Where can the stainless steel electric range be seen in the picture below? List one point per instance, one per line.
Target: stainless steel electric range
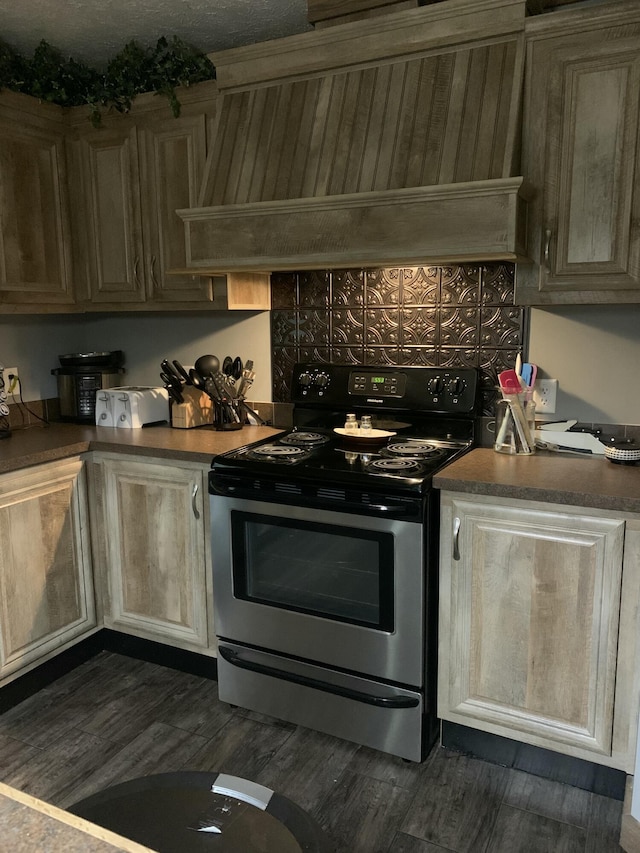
(324, 554)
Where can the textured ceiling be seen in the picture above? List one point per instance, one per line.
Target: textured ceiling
(94, 30)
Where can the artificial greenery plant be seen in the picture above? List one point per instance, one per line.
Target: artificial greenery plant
(135, 69)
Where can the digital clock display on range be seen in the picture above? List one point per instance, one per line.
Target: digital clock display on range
(383, 385)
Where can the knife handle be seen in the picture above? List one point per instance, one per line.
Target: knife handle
(182, 372)
(170, 370)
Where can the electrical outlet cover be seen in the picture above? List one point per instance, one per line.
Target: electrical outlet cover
(7, 371)
(544, 396)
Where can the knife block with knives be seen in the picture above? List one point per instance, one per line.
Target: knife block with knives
(205, 395)
(195, 411)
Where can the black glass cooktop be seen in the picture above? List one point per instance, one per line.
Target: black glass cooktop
(324, 455)
(422, 418)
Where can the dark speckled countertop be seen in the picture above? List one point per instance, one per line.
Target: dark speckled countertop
(40, 444)
(590, 481)
(554, 477)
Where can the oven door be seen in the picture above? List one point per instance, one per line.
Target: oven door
(333, 588)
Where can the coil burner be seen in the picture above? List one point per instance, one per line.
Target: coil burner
(278, 453)
(413, 450)
(304, 439)
(397, 465)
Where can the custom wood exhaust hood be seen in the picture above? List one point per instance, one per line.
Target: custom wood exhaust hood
(389, 140)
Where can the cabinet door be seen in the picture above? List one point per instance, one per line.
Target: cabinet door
(154, 531)
(112, 228)
(173, 156)
(46, 589)
(34, 230)
(581, 152)
(529, 612)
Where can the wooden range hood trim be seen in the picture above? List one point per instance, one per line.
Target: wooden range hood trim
(385, 38)
(474, 221)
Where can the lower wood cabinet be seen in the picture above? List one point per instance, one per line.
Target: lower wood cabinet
(538, 625)
(150, 524)
(46, 583)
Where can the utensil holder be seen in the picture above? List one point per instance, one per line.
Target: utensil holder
(515, 425)
(225, 416)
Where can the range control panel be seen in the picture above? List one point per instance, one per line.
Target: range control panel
(385, 384)
(425, 389)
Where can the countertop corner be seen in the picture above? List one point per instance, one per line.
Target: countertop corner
(590, 481)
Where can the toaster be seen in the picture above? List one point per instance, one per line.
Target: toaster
(131, 406)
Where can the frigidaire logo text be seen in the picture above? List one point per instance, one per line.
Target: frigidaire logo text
(373, 400)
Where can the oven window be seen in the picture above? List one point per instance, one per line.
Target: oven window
(338, 572)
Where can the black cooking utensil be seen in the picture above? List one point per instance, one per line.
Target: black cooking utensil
(207, 365)
(196, 380)
(253, 413)
(227, 365)
(183, 373)
(226, 386)
(236, 370)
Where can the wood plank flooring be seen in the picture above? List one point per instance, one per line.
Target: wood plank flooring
(115, 718)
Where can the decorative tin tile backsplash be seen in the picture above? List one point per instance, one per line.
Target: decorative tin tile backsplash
(435, 316)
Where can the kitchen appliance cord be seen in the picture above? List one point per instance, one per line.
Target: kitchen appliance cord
(21, 402)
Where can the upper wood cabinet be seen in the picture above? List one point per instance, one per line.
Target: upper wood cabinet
(46, 581)
(535, 644)
(107, 215)
(130, 177)
(35, 266)
(174, 154)
(580, 151)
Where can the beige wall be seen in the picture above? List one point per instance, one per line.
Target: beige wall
(594, 352)
(32, 344)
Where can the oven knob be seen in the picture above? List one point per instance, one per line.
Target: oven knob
(436, 385)
(321, 380)
(305, 379)
(456, 386)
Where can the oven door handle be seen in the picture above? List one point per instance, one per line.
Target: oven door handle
(356, 695)
(397, 508)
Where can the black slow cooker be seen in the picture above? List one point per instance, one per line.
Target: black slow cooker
(80, 376)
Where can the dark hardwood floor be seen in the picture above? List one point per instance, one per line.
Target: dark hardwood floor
(115, 718)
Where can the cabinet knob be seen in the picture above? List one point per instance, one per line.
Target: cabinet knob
(456, 536)
(194, 506)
